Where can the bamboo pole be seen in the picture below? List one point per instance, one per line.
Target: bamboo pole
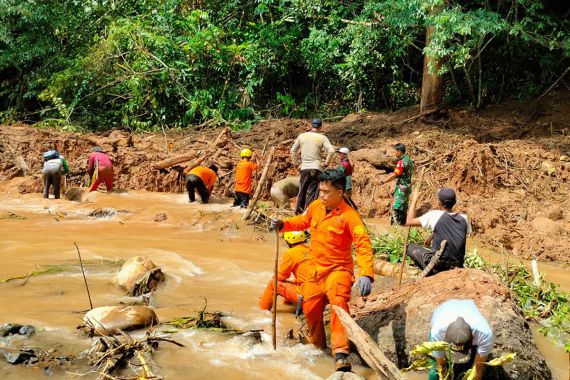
(368, 348)
(416, 194)
(84, 278)
(260, 184)
(274, 307)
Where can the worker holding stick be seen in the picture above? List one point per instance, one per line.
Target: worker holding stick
(334, 228)
(403, 176)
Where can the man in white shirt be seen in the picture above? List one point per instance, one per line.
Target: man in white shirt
(460, 323)
(445, 225)
(311, 144)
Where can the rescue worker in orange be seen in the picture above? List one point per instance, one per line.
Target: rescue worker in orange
(244, 175)
(296, 260)
(334, 228)
(202, 179)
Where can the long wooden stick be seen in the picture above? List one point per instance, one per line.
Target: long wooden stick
(368, 348)
(84, 278)
(370, 201)
(274, 307)
(260, 184)
(415, 194)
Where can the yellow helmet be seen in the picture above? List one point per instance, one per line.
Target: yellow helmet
(294, 237)
(245, 152)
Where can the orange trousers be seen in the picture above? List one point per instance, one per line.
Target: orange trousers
(335, 289)
(286, 290)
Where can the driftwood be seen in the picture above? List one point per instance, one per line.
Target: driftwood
(433, 260)
(260, 184)
(208, 151)
(368, 348)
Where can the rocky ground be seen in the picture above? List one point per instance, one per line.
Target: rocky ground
(399, 320)
(509, 166)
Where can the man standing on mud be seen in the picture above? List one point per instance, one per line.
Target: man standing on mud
(311, 144)
(445, 225)
(100, 169)
(334, 228)
(403, 176)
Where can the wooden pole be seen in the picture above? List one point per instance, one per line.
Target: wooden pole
(274, 307)
(368, 348)
(84, 278)
(260, 184)
(434, 260)
(415, 195)
(370, 201)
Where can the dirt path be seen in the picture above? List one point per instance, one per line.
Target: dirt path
(511, 176)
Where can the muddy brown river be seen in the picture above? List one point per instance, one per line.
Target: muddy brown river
(202, 255)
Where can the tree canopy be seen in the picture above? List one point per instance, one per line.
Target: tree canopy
(145, 64)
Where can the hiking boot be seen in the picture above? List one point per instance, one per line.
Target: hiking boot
(341, 362)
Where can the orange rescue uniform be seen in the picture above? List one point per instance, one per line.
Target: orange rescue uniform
(296, 260)
(244, 174)
(332, 237)
(207, 175)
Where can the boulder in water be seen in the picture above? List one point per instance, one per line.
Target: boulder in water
(398, 320)
(139, 275)
(74, 194)
(16, 329)
(339, 375)
(109, 320)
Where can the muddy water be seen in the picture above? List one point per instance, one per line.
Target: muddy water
(229, 268)
(203, 256)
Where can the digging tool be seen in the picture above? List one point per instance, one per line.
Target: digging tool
(274, 307)
(415, 195)
(84, 278)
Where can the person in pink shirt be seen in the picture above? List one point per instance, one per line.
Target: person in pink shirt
(100, 169)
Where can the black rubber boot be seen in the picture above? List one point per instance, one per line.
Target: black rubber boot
(341, 362)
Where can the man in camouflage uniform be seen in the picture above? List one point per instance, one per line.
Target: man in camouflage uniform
(403, 176)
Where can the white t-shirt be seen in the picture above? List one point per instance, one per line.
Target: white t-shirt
(449, 311)
(430, 219)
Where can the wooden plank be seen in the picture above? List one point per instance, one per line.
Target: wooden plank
(368, 348)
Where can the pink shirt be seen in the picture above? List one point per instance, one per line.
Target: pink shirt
(100, 157)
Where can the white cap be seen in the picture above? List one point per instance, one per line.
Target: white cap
(343, 150)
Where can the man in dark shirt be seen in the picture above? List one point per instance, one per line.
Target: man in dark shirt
(445, 225)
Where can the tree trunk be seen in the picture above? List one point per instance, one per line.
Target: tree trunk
(433, 86)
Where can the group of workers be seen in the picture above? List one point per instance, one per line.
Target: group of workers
(99, 168)
(323, 268)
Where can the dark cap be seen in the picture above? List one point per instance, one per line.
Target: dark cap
(460, 337)
(316, 123)
(97, 149)
(447, 197)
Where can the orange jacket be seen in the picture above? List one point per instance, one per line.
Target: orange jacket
(244, 173)
(298, 260)
(207, 175)
(332, 236)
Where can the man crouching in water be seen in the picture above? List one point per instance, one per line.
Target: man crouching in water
(334, 227)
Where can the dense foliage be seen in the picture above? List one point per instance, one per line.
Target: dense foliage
(143, 64)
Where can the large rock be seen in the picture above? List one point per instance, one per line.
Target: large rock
(109, 320)
(338, 375)
(400, 319)
(139, 275)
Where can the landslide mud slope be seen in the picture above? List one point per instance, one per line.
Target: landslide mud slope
(510, 171)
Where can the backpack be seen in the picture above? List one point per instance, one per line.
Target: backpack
(50, 155)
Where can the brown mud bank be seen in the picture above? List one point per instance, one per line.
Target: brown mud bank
(510, 172)
(400, 320)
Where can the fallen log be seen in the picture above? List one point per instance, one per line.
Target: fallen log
(368, 348)
(260, 184)
(166, 163)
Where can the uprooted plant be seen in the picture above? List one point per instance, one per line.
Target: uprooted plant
(425, 360)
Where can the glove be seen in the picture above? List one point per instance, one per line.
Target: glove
(275, 224)
(364, 285)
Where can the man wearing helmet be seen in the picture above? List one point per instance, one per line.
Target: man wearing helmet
(244, 174)
(461, 324)
(311, 145)
(335, 228)
(297, 261)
